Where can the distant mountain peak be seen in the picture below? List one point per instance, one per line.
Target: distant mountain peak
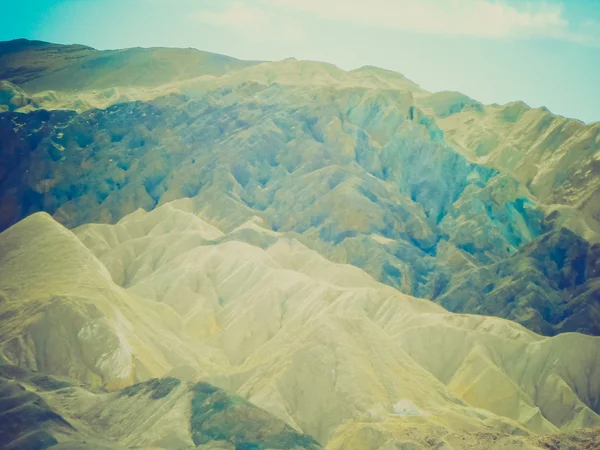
(19, 45)
(369, 67)
(22, 44)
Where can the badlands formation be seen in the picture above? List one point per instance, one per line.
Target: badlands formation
(320, 347)
(203, 252)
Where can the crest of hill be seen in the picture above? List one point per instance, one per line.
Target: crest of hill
(38, 251)
(19, 45)
(39, 66)
(313, 73)
(395, 80)
(292, 71)
(63, 314)
(22, 60)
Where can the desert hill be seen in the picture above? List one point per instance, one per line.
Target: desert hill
(317, 344)
(65, 414)
(296, 143)
(42, 66)
(202, 252)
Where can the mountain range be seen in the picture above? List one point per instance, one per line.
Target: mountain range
(336, 259)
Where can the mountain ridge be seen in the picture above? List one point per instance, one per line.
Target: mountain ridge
(190, 242)
(5, 47)
(264, 139)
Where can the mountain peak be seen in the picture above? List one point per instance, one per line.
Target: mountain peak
(393, 78)
(17, 45)
(25, 262)
(292, 232)
(22, 44)
(369, 67)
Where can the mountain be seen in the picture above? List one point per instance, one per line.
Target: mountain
(364, 167)
(202, 252)
(62, 314)
(41, 66)
(317, 344)
(80, 77)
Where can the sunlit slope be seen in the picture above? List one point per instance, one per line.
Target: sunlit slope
(41, 66)
(312, 73)
(62, 313)
(315, 343)
(292, 323)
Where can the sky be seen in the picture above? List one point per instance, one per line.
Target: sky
(545, 53)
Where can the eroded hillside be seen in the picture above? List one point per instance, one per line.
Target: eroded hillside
(203, 252)
(317, 344)
(356, 165)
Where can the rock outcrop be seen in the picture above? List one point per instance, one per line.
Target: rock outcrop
(41, 411)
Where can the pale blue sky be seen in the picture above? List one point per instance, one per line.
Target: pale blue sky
(542, 52)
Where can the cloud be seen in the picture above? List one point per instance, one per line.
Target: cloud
(475, 18)
(237, 14)
(257, 24)
(470, 18)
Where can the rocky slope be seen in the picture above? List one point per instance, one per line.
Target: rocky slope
(167, 413)
(41, 411)
(322, 346)
(26, 420)
(356, 165)
(558, 159)
(62, 313)
(257, 253)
